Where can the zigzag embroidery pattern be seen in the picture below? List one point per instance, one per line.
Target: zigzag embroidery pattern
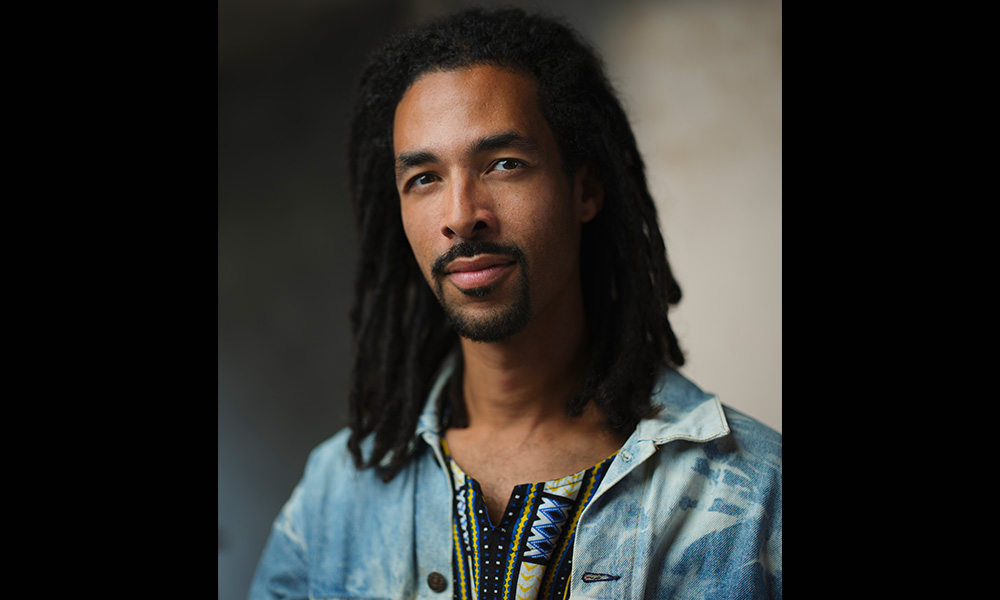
(460, 563)
(545, 530)
(474, 526)
(567, 487)
(529, 580)
(516, 541)
(459, 524)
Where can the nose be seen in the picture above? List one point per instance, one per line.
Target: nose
(468, 213)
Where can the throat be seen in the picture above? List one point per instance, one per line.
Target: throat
(502, 471)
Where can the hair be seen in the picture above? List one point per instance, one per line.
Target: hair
(400, 334)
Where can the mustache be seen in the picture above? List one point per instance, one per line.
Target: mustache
(470, 248)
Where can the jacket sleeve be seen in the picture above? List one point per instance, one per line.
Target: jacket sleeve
(283, 568)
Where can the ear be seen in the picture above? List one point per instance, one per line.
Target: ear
(588, 193)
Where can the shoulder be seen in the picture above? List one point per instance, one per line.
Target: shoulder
(330, 459)
(330, 478)
(747, 462)
(718, 437)
(332, 475)
(752, 438)
(334, 495)
(329, 464)
(331, 467)
(336, 514)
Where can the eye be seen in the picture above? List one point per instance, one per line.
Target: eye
(508, 164)
(422, 180)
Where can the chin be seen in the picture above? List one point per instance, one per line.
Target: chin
(496, 326)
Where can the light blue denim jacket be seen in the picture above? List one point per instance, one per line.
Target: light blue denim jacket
(689, 509)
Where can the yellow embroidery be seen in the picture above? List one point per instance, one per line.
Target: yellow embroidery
(516, 540)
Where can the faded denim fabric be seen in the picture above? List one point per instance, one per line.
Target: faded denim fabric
(689, 509)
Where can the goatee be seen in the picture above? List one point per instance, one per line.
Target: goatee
(504, 321)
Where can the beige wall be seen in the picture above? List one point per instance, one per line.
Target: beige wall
(701, 82)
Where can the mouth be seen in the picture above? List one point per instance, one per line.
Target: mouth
(478, 272)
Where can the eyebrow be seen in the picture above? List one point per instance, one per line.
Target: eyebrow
(407, 160)
(497, 141)
(507, 139)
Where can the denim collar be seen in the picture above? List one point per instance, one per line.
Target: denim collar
(429, 419)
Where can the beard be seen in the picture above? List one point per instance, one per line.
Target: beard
(503, 321)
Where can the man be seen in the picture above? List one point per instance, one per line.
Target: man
(518, 428)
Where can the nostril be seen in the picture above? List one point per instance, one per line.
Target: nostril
(479, 225)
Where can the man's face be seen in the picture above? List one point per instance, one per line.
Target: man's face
(492, 217)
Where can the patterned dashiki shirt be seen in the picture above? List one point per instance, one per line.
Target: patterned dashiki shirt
(528, 555)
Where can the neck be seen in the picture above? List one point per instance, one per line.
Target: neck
(524, 383)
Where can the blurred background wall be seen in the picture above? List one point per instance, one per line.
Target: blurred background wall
(701, 81)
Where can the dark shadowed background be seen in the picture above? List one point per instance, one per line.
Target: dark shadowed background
(702, 84)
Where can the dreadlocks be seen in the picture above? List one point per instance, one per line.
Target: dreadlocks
(399, 329)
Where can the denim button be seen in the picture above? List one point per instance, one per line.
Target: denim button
(437, 582)
(626, 455)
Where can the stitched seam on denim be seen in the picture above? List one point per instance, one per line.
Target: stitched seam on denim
(635, 534)
(722, 415)
(687, 438)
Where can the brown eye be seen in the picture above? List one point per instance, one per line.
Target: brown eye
(508, 164)
(422, 180)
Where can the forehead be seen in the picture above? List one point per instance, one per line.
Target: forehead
(443, 108)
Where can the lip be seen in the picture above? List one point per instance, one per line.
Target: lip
(479, 271)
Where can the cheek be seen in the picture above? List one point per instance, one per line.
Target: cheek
(417, 235)
(408, 231)
(551, 238)
(413, 228)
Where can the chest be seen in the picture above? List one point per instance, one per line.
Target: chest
(526, 544)
(500, 467)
